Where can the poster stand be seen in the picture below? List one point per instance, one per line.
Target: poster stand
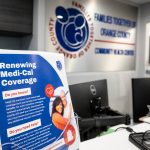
(36, 109)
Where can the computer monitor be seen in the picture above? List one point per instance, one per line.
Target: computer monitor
(141, 97)
(83, 93)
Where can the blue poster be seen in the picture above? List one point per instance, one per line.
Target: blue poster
(36, 110)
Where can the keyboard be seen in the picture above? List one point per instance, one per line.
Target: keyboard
(137, 140)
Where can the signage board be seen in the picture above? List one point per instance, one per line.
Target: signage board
(36, 110)
(94, 35)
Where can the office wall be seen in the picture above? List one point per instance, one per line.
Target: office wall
(107, 34)
(119, 83)
(119, 87)
(143, 41)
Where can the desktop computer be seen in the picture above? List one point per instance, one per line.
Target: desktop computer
(141, 106)
(141, 97)
(90, 103)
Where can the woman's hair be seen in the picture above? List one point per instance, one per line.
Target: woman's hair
(56, 102)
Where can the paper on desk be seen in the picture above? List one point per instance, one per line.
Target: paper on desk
(145, 119)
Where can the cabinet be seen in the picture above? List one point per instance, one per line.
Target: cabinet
(16, 17)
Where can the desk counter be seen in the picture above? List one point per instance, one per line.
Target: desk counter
(118, 140)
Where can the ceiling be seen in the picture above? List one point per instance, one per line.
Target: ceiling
(137, 2)
(140, 1)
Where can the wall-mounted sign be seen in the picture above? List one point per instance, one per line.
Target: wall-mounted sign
(94, 35)
(35, 105)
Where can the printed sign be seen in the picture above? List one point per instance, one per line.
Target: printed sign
(36, 110)
(92, 35)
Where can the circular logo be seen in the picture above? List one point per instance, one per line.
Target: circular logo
(59, 65)
(93, 89)
(49, 90)
(71, 28)
(69, 135)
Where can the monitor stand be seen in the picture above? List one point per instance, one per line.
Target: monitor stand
(94, 125)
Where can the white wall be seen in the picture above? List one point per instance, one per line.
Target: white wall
(119, 87)
(142, 42)
(119, 83)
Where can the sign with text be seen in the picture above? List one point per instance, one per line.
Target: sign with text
(36, 110)
(92, 35)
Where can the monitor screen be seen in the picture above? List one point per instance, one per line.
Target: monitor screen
(83, 93)
(141, 97)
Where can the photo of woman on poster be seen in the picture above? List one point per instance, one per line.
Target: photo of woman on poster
(62, 114)
(57, 114)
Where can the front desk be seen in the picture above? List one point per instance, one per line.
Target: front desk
(118, 140)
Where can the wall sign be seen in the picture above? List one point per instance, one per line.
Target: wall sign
(92, 35)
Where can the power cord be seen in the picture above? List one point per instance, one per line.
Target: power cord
(126, 128)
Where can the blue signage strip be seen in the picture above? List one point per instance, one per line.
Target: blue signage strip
(114, 51)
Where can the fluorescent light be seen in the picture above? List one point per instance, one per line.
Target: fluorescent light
(60, 17)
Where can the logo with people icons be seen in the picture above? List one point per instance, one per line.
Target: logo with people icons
(71, 28)
(71, 32)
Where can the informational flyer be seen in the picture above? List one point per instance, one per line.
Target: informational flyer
(35, 106)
